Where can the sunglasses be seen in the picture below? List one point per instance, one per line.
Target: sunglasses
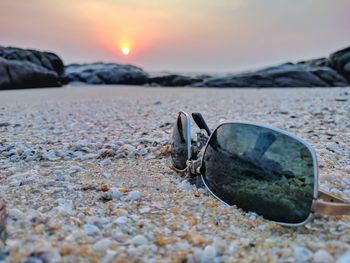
(258, 168)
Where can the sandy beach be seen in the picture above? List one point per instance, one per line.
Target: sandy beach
(84, 171)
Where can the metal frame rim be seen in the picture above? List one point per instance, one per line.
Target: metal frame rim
(189, 135)
(310, 148)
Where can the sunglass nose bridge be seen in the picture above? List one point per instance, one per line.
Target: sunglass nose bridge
(199, 120)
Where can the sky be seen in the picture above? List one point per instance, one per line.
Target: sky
(179, 35)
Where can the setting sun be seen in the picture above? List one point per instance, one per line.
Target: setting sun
(125, 51)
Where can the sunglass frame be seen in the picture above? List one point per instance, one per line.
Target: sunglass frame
(309, 147)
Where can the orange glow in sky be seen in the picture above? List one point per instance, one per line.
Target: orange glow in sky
(181, 35)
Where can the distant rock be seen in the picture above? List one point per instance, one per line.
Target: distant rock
(330, 76)
(340, 61)
(105, 73)
(318, 62)
(321, 72)
(173, 80)
(47, 60)
(285, 75)
(25, 68)
(23, 74)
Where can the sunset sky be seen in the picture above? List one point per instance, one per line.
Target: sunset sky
(178, 35)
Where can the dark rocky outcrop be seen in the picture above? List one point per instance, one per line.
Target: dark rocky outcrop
(285, 75)
(318, 62)
(329, 76)
(23, 74)
(173, 80)
(47, 60)
(105, 73)
(321, 72)
(340, 61)
(22, 68)
(25, 68)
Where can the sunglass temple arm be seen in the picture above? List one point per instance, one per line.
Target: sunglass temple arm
(199, 120)
(330, 205)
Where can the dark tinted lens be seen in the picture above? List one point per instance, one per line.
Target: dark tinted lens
(179, 153)
(260, 170)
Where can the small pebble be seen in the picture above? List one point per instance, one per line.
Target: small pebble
(143, 151)
(15, 214)
(139, 240)
(119, 236)
(56, 173)
(209, 252)
(105, 197)
(109, 257)
(107, 174)
(106, 162)
(185, 186)
(74, 169)
(102, 245)
(322, 256)
(91, 230)
(145, 209)
(116, 194)
(302, 254)
(345, 258)
(134, 195)
(121, 220)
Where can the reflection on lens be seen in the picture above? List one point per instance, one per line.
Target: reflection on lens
(260, 170)
(179, 153)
